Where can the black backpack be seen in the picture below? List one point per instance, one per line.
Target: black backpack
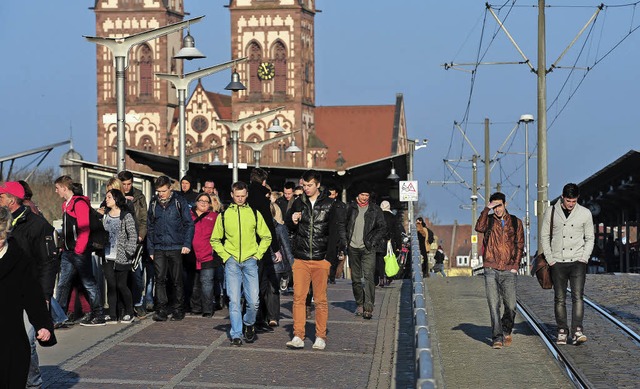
(98, 236)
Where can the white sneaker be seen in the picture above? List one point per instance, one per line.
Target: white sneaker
(126, 319)
(296, 342)
(319, 344)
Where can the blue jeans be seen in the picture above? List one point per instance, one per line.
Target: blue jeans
(58, 314)
(573, 273)
(202, 293)
(72, 263)
(240, 277)
(363, 265)
(500, 286)
(34, 379)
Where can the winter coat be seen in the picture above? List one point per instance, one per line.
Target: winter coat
(258, 200)
(238, 227)
(34, 235)
(500, 252)
(311, 234)
(375, 228)
(140, 209)
(75, 224)
(19, 290)
(203, 228)
(127, 239)
(337, 236)
(573, 236)
(169, 226)
(282, 235)
(394, 230)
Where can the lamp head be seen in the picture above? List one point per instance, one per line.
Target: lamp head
(293, 148)
(235, 84)
(526, 118)
(275, 126)
(188, 50)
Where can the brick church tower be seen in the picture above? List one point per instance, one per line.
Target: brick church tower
(277, 36)
(150, 103)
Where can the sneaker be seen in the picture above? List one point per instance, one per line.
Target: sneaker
(579, 337)
(562, 337)
(249, 334)
(507, 340)
(319, 344)
(367, 315)
(284, 283)
(177, 316)
(273, 323)
(110, 320)
(296, 343)
(149, 307)
(93, 321)
(497, 344)
(160, 316)
(207, 314)
(140, 312)
(236, 342)
(359, 310)
(126, 319)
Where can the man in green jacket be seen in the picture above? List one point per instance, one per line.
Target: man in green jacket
(241, 227)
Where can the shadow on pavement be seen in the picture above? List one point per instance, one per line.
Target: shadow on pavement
(55, 373)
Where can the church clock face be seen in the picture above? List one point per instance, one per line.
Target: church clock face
(266, 71)
(199, 124)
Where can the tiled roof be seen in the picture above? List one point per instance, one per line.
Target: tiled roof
(362, 133)
(221, 103)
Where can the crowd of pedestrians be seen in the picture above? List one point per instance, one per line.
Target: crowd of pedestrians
(183, 252)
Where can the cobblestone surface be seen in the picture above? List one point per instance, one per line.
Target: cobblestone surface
(196, 352)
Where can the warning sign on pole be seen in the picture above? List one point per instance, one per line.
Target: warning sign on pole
(408, 190)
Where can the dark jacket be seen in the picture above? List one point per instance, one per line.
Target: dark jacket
(394, 230)
(337, 236)
(500, 252)
(34, 235)
(139, 210)
(283, 203)
(282, 236)
(258, 200)
(19, 291)
(169, 227)
(311, 234)
(375, 228)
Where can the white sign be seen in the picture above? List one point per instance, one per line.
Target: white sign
(241, 165)
(408, 190)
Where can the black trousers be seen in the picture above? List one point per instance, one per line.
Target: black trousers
(269, 291)
(168, 267)
(117, 289)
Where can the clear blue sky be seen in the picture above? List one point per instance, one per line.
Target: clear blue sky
(366, 52)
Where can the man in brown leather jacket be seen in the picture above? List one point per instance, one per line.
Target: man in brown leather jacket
(503, 248)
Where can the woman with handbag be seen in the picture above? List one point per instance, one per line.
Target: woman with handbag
(118, 255)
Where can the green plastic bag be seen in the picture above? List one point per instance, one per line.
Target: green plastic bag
(391, 266)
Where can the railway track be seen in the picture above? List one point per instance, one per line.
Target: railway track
(608, 359)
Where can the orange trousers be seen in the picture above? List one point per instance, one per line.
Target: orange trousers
(306, 272)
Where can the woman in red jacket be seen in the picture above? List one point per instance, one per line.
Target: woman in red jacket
(204, 218)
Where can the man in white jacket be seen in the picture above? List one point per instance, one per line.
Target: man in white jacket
(567, 249)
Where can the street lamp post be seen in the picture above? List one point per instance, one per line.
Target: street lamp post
(413, 146)
(526, 119)
(181, 83)
(234, 128)
(119, 48)
(257, 146)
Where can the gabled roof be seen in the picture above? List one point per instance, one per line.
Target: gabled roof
(221, 103)
(362, 133)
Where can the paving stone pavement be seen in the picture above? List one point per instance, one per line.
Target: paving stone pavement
(195, 353)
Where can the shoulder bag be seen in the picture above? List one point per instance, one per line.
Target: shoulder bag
(541, 268)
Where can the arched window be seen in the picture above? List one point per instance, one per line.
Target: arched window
(280, 63)
(254, 53)
(145, 65)
(146, 143)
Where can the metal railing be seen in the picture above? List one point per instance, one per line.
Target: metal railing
(424, 358)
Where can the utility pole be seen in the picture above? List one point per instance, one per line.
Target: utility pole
(474, 210)
(543, 183)
(487, 161)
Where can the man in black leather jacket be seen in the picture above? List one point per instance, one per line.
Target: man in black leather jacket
(366, 230)
(309, 218)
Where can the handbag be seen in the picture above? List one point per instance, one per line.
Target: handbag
(391, 266)
(541, 268)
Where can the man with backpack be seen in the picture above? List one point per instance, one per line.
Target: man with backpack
(169, 234)
(76, 254)
(503, 248)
